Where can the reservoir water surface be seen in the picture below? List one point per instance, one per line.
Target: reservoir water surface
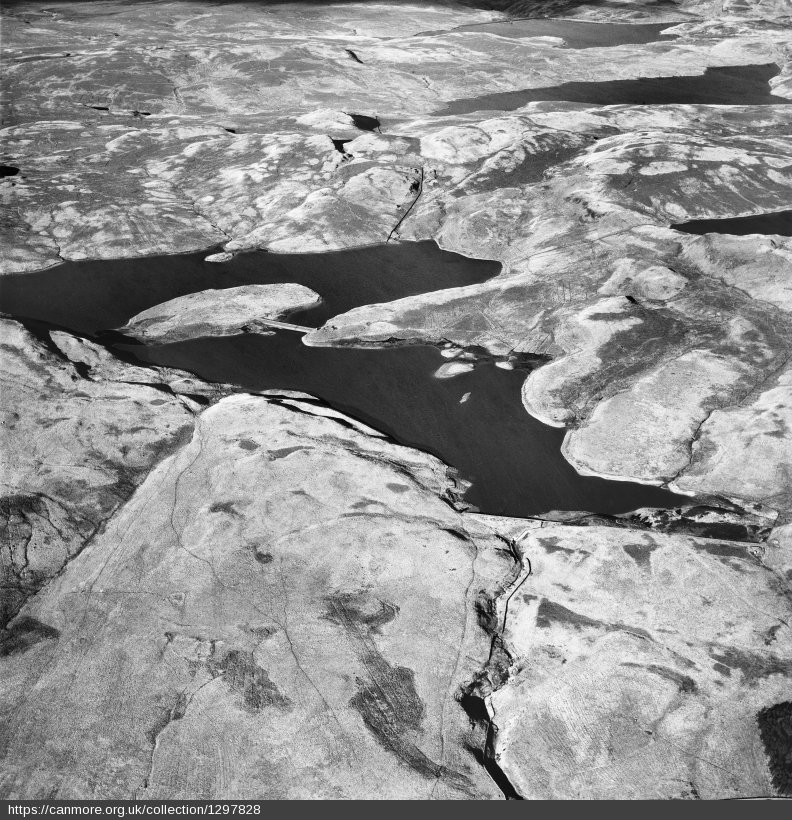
(727, 85)
(475, 422)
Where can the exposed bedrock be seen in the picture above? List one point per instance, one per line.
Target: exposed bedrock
(286, 604)
(660, 341)
(81, 430)
(643, 666)
(213, 594)
(219, 312)
(129, 143)
(576, 204)
(226, 63)
(250, 622)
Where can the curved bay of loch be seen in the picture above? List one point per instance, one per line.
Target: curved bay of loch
(290, 582)
(513, 461)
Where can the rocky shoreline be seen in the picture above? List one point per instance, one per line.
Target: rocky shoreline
(211, 592)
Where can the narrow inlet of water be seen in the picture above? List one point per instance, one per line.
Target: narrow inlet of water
(778, 223)
(475, 422)
(577, 34)
(728, 85)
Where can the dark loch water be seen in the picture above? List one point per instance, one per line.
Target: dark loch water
(513, 460)
(778, 223)
(91, 296)
(576, 34)
(730, 85)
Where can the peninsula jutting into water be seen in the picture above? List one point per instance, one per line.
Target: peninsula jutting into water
(396, 401)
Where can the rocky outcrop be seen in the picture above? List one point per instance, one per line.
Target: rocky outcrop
(745, 450)
(284, 607)
(81, 431)
(286, 604)
(219, 312)
(641, 666)
(650, 331)
(234, 130)
(751, 524)
(279, 584)
(215, 594)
